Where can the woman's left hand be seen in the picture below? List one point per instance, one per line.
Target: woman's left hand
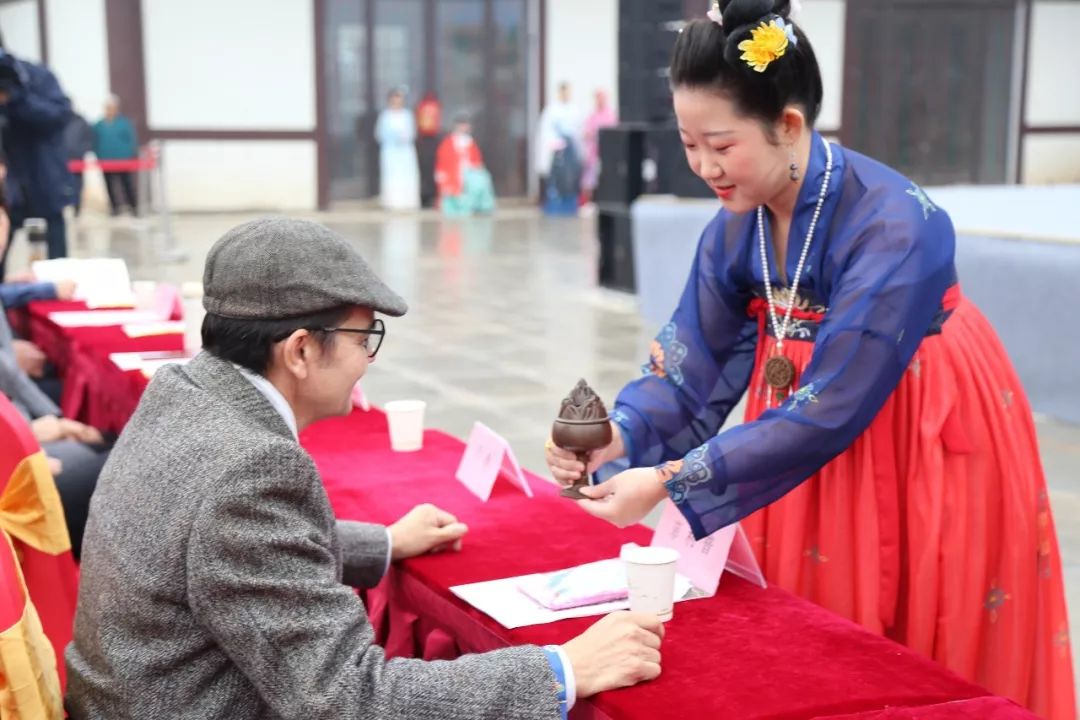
(626, 498)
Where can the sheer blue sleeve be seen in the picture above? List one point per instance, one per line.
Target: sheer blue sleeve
(17, 295)
(889, 290)
(699, 364)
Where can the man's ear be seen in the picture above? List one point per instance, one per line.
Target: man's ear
(294, 353)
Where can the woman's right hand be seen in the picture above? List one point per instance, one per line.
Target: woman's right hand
(566, 468)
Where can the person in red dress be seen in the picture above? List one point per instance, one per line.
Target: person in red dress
(465, 186)
(888, 469)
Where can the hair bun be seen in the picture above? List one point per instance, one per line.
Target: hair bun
(737, 13)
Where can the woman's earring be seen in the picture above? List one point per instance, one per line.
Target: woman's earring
(794, 168)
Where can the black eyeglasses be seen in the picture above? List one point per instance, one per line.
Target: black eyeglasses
(372, 341)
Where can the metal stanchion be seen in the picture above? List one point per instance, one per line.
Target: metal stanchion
(170, 251)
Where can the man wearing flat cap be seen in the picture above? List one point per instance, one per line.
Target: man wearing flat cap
(214, 575)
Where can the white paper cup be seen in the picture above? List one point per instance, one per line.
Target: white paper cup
(406, 418)
(650, 577)
(193, 320)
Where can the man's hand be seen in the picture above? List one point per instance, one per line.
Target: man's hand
(47, 428)
(65, 290)
(29, 358)
(620, 650)
(75, 430)
(423, 529)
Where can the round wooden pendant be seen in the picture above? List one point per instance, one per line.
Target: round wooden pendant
(779, 372)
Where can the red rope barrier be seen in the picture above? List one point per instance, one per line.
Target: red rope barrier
(148, 162)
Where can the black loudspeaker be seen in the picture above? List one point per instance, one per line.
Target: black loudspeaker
(621, 153)
(647, 33)
(616, 267)
(673, 175)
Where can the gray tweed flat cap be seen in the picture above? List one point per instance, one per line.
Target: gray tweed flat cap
(276, 268)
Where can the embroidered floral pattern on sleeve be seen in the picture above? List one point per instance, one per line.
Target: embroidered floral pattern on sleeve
(919, 194)
(666, 355)
(694, 470)
(802, 397)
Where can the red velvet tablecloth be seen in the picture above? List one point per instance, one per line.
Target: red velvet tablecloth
(747, 653)
(96, 391)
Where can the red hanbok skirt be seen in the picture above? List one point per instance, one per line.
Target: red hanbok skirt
(934, 528)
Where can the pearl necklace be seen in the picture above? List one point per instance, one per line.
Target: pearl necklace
(779, 370)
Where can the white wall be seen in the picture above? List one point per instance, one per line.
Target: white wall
(235, 64)
(823, 22)
(1052, 94)
(240, 174)
(78, 52)
(1051, 158)
(19, 26)
(1053, 97)
(582, 48)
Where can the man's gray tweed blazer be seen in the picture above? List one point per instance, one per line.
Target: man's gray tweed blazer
(212, 582)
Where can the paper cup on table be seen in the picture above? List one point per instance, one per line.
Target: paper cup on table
(406, 419)
(650, 578)
(191, 294)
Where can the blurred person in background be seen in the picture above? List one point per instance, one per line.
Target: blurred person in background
(33, 114)
(114, 139)
(465, 185)
(78, 142)
(603, 115)
(399, 170)
(428, 130)
(559, 154)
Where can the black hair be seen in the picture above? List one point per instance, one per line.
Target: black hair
(707, 56)
(247, 343)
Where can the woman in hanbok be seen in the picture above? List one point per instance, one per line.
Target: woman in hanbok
(603, 116)
(559, 154)
(888, 467)
(399, 170)
(465, 186)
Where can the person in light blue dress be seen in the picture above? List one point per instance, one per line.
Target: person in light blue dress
(399, 169)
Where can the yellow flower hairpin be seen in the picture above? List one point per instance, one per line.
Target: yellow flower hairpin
(768, 42)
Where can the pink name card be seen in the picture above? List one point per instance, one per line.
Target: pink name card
(704, 561)
(486, 454)
(167, 304)
(359, 398)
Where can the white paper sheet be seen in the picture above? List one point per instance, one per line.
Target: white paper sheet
(147, 361)
(101, 318)
(99, 282)
(511, 608)
(158, 327)
(127, 361)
